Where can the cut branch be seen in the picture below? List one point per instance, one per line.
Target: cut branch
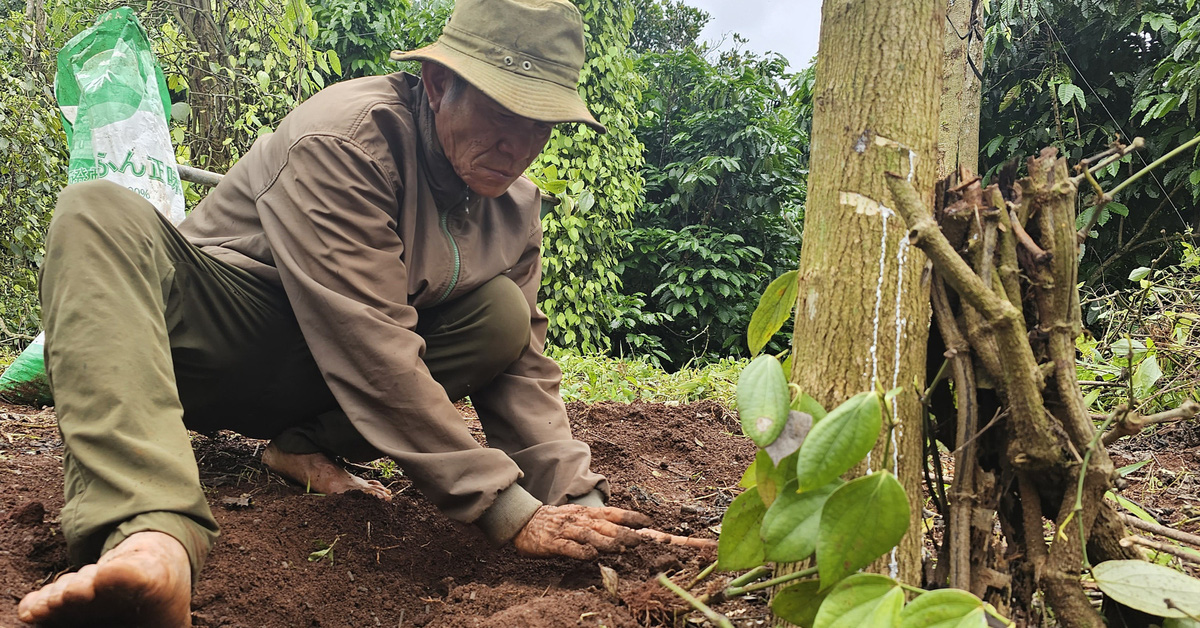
(1161, 530)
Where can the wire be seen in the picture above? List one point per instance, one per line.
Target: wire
(1083, 78)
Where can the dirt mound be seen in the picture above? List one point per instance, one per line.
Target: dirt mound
(403, 563)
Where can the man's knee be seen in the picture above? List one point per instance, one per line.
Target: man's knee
(504, 324)
(92, 207)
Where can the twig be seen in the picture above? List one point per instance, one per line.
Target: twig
(709, 613)
(1161, 530)
(1165, 548)
(1026, 241)
(1154, 164)
(1131, 423)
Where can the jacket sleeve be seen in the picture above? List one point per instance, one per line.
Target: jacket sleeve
(522, 409)
(329, 217)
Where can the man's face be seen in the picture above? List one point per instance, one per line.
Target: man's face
(488, 145)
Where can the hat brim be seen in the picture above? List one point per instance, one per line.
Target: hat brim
(526, 96)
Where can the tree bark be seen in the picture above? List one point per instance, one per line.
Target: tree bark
(958, 130)
(863, 310)
(35, 12)
(205, 88)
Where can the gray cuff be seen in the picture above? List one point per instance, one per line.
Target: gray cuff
(513, 508)
(593, 499)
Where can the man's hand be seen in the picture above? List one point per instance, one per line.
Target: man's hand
(579, 532)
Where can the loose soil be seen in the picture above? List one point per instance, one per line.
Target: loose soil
(404, 563)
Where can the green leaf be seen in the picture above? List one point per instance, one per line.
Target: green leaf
(1148, 587)
(766, 477)
(1131, 507)
(334, 60)
(944, 608)
(1013, 94)
(799, 603)
(862, 601)
(1139, 273)
(791, 525)
(762, 400)
(808, 405)
(750, 477)
(181, 112)
(1180, 622)
(1130, 468)
(1146, 376)
(844, 543)
(774, 309)
(739, 545)
(839, 441)
(1067, 91)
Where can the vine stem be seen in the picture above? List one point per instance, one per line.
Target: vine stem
(709, 613)
(704, 574)
(766, 584)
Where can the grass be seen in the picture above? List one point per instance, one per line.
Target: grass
(594, 378)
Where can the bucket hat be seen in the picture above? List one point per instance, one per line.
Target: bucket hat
(524, 54)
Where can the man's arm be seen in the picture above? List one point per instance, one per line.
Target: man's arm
(522, 409)
(338, 255)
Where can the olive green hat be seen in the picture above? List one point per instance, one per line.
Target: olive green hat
(524, 54)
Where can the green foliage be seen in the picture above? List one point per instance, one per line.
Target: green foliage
(866, 600)
(1149, 331)
(739, 546)
(773, 311)
(666, 25)
(33, 167)
(1078, 74)
(781, 517)
(1149, 588)
(844, 545)
(594, 378)
(839, 441)
(582, 243)
(763, 399)
(944, 608)
(725, 149)
(363, 32)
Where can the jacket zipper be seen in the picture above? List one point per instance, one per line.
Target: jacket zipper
(457, 260)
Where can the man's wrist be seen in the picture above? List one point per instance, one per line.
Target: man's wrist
(505, 518)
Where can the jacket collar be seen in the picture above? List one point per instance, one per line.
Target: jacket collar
(449, 191)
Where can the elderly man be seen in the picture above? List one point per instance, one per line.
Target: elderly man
(375, 258)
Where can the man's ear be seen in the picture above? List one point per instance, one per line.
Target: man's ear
(437, 81)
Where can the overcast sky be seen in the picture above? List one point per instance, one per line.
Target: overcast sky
(789, 27)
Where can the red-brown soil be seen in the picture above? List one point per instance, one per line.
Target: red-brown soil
(403, 563)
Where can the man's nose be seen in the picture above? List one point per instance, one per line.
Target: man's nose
(516, 142)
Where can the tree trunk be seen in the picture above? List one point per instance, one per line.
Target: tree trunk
(966, 548)
(207, 90)
(863, 310)
(35, 12)
(962, 63)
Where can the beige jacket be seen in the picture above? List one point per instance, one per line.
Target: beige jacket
(352, 208)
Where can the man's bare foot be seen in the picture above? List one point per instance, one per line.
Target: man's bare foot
(144, 581)
(319, 474)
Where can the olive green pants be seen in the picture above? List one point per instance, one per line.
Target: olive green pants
(147, 336)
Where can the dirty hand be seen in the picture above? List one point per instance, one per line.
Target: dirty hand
(578, 531)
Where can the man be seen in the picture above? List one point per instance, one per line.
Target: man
(375, 258)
